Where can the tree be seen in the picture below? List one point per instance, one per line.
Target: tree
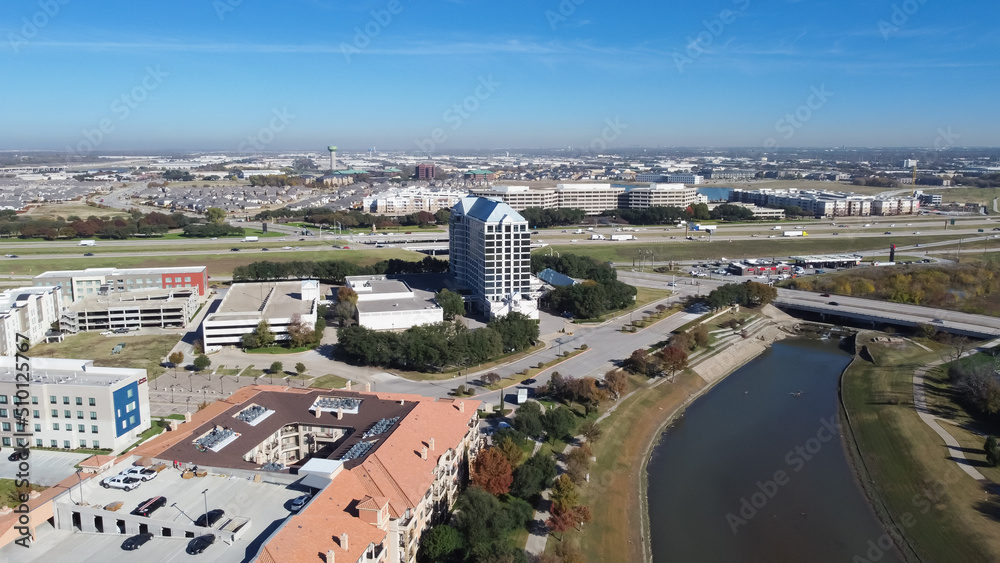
(492, 472)
(992, 447)
(484, 522)
(560, 520)
(637, 362)
(528, 419)
(511, 451)
(276, 367)
(582, 515)
(558, 423)
(591, 431)
(299, 332)
(175, 359)
(300, 368)
(490, 378)
(517, 331)
(578, 462)
(564, 495)
(674, 359)
(451, 303)
(533, 476)
(265, 336)
(700, 335)
(215, 215)
(616, 383)
(201, 362)
(439, 543)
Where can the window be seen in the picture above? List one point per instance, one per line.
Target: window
(38, 428)
(52, 400)
(6, 441)
(3, 413)
(65, 400)
(79, 415)
(93, 429)
(5, 426)
(38, 442)
(55, 413)
(97, 445)
(67, 414)
(54, 443)
(81, 428)
(93, 402)
(187, 279)
(34, 400)
(3, 399)
(19, 427)
(79, 400)
(55, 426)
(83, 443)
(129, 393)
(35, 414)
(93, 415)
(66, 444)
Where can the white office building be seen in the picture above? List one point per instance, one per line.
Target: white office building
(246, 304)
(72, 404)
(387, 304)
(29, 311)
(490, 248)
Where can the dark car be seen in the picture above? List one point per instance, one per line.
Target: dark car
(136, 541)
(213, 516)
(264, 249)
(149, 506)
(13, 256)
(18, 455)
(834, 303)
(200, 544)
(824, 294)
(234, 249)
(89, 254)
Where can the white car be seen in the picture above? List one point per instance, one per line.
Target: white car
(144, 473)
(121, 482)
(286, 248)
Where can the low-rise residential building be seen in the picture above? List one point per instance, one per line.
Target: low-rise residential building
(390, 304)
(245, 305)
(827, 203)
(29, 311)
(79, 284)
(403, 201)
(72, 404)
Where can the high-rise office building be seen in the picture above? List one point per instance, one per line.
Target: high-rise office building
(490, 255)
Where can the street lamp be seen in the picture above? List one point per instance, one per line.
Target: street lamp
(191, 382)
(80, 479)
(205, 494)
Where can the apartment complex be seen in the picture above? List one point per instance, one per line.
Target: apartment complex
(593, 198)
(73, 404)
(386, 467)
(389, 304)
(828, 204)
(403, 201)
(79, 284)
(246, 304)
(669, 178)
(163, 308)
(490, 246)
(29, 311)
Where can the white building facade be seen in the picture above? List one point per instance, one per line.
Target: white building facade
(29, 311)
(246, 304)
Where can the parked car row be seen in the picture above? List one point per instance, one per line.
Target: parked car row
(129, 479)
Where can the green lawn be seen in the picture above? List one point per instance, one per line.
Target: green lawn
(904, 465)
(8, 492)
(278, 350)
(146, 352)
(329, 381)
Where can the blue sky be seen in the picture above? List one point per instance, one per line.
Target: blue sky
(301, 74)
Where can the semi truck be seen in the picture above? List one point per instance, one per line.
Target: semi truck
(89, 242)
(623, 237)
(597, 237)
(794, 234)
(249, 239)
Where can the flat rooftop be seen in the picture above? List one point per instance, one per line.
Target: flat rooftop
(68, 372)
(289, 408)
(120, 272)
(141, 299)
(827, 258)
(283, 299)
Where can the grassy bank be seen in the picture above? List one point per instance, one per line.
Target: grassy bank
(615, 489)
(145, 352)
(904, 465)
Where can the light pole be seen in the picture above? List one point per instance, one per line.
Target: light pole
(191, 382)
(205, 494)
(80, 479)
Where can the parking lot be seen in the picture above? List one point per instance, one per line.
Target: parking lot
(265, 504)
(47, 468)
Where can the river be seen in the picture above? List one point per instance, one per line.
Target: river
(753, 473)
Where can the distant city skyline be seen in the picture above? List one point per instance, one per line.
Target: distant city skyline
(242, 78)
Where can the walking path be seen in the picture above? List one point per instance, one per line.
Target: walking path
(920, 403)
